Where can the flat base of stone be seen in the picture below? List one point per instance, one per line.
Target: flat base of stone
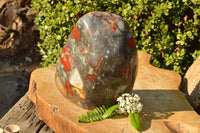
(165, 107)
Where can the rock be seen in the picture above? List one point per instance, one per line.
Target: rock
(191, 84)
(19, 38)
(28, 59)
(22, 12)
(35, 27)
(30, 15)
(98, 62)
(2, 3)
(22, 3)
(8, 16)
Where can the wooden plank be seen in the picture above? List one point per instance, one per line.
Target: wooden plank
(23, 114)
(165, 107)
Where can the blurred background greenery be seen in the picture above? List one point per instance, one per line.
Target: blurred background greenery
(169, 30)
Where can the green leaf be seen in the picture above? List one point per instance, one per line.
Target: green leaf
(109, 111)
(92, 115)
(134, 121)
(76, 1)
(138, 121)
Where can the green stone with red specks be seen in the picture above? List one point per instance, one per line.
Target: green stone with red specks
(98, 62)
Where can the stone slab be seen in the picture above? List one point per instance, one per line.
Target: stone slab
(165, 107)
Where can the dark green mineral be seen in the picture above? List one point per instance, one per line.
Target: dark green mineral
(98, 62)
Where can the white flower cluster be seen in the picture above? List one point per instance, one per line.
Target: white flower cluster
(129, 103)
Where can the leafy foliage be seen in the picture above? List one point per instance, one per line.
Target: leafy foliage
(95, 115)
(168, 30)
(110, 111)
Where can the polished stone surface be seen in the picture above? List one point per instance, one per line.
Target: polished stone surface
(98, 62)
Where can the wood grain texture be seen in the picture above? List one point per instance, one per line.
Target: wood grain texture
(165, 107)
(23, 114)
(191, 84)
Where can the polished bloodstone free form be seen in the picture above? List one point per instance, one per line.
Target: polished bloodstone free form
(98, 62)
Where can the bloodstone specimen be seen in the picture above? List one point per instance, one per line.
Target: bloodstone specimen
(98, 62)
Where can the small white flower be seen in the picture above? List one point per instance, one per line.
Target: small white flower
(45, 56)
(129, 103)
(125, 94)
(137, 98)
(122, 104)
(119, 99)
(121, 111)
(45, 27)
(139, 107)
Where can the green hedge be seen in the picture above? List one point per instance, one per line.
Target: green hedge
(168, 30)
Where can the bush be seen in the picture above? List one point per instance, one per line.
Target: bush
(168, 30)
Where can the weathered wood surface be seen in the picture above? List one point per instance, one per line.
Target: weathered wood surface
(165, 107)
(23, 114)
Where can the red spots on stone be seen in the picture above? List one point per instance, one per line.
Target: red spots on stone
(96, 80)
(115, 27)
(100, 62)
(131, 42)
(93, 67)
(69, 88)
(64, 50)
(87, 77)
(89, 32)
(120, 74)
(75, 33)
(104, 45)
(65, 60)
(127, 70)
(89, 63)
(99, 72)
(93, 76)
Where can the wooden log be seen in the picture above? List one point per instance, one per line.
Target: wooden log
(165, 107)
(191, 84)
